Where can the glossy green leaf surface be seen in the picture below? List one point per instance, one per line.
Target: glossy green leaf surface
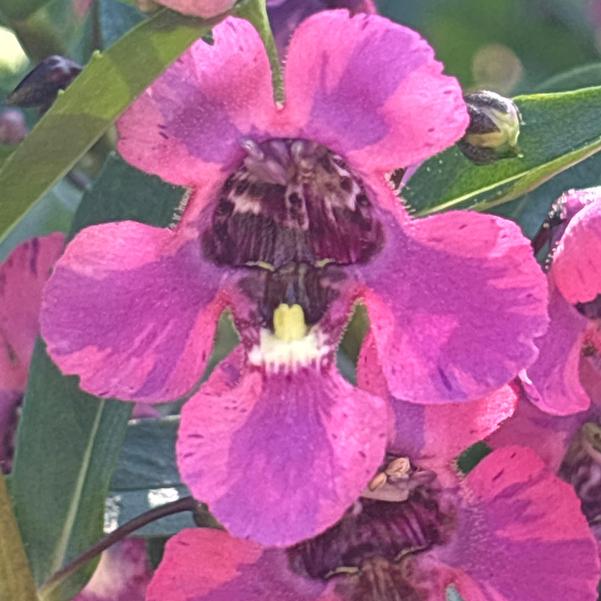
(86, 109)
(560, 130)
(16, 582)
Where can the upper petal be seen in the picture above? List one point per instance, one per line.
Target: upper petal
(371, 90)
(521, 535)
(455, 301)
(279, 457)
(132, 310)
(22, 278)
(554, 379)
(210, 565)
(199, 8)
(188, 125)
(433, 435)
(577, 259)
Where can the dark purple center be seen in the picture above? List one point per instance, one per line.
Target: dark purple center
(369, 551)
(294, 212)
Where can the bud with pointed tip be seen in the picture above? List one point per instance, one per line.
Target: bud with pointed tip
(41, 85)
(493, 130)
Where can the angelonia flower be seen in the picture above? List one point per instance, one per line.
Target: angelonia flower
(123, 574)
(22, 278)
(509, 531)
(286, 15)
(573, 232)
(494, 128)
(289, 223)
(569, 445)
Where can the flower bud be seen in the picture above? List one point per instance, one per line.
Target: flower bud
(12, 126)
(41, 85)
(493, 130)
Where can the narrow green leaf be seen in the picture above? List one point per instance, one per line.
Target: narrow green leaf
(16, 582)
(20, 9)
(559, 131)
(67, 445)
(68, 441)
(86, 110)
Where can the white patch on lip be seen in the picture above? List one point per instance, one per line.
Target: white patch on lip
(275, 354)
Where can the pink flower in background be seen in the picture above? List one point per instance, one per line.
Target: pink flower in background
(286, 15)
(289, 224)
(22, 278)
(510, 531)
(574, 334)
(199, 8)
(123, 574)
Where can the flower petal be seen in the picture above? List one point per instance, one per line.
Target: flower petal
(549, 435)
(279, 457)
(123, 574)
(22, 278)
(455, 303)
(521, 534)
(188, 125)
(210, 565)
(199, 8)
(433, 435)
(371, 90)
(285, 15)
(577, 259)
(132, 310)
(554, 381)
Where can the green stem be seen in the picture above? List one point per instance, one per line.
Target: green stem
(255, 11)
(16, 581)
(185, 504)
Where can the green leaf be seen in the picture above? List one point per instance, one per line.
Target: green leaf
(472, 456)
(67, 444)
(68, 441)
(52, 213)
(16, 581)
(146, 477)
(115, 19)
(20, 9)
(89, 106)
(559, 131)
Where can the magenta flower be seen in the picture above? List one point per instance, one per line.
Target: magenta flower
(22, 278)
(510, 531)
(286, 15)
(199, 8)
(290, 223)
(574, 334)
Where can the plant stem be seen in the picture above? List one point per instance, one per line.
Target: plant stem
(185, 504)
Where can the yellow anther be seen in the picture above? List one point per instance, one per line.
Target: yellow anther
(289, 323)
